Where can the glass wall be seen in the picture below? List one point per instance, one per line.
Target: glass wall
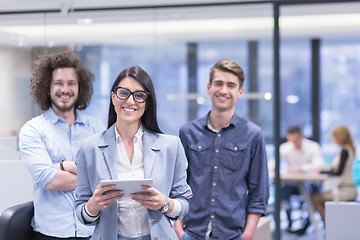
(295, 82)
(336, 26)
(340, 101)
(158, 40)
(340, 74)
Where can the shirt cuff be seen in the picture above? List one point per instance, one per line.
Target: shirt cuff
(87, 216)
(176, 210)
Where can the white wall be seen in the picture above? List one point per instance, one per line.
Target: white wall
(16, 108)
(16, 105)
(15, 183)
(15, 180)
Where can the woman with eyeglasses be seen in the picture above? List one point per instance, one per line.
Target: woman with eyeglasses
(133, 147)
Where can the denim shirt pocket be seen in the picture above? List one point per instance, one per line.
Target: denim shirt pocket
(233, 155)
(200, 152)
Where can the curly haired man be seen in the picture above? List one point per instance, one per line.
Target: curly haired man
(61, 85)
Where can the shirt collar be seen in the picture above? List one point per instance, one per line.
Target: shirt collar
(54, 118)
(233, 122)
(80, 118)
(137, 137)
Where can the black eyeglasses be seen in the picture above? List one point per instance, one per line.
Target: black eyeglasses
(139, 96)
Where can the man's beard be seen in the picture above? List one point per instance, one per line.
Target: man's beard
(62, 108)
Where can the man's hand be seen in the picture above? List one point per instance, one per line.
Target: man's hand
(251, 225)
(178, 227)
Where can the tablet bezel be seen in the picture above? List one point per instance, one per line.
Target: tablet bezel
(128, 185)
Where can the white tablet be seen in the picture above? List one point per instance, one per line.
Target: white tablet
(127, 185)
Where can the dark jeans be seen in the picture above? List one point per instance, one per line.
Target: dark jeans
(39, 236)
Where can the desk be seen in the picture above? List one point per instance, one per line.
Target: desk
(300, 179)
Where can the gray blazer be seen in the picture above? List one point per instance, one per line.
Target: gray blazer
(164, 162)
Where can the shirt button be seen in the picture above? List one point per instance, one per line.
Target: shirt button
(217, 150)
(235, 148)
(153, 222)
(212, 216)
(219, 135)
(214, 184)
(215, 167)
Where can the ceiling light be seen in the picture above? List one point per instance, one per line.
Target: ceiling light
(267, 96)
(200, 100)
(292, 99)
(84, 21)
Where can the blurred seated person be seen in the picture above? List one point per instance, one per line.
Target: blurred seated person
(301, 155)
(340, 186)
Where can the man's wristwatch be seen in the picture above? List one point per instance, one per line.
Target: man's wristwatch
(165, 206)
(62, 165)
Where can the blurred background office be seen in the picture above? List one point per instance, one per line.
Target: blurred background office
(177, 42)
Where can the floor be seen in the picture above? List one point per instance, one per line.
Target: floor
(300, 215)
(309, 235)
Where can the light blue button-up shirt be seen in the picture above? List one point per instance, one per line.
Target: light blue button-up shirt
(45, 140)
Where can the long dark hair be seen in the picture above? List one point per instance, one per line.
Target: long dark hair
(148, 119)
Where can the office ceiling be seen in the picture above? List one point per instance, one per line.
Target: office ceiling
(23, 23)
(36, 5)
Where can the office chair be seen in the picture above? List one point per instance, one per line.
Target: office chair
(297, 212)
(15, 222)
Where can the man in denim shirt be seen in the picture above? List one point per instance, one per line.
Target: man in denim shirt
(227, 165)
(60, 85)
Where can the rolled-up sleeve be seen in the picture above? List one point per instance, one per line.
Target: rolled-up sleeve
(258, 193)
(35, 156)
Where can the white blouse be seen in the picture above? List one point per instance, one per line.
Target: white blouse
(132, 217)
